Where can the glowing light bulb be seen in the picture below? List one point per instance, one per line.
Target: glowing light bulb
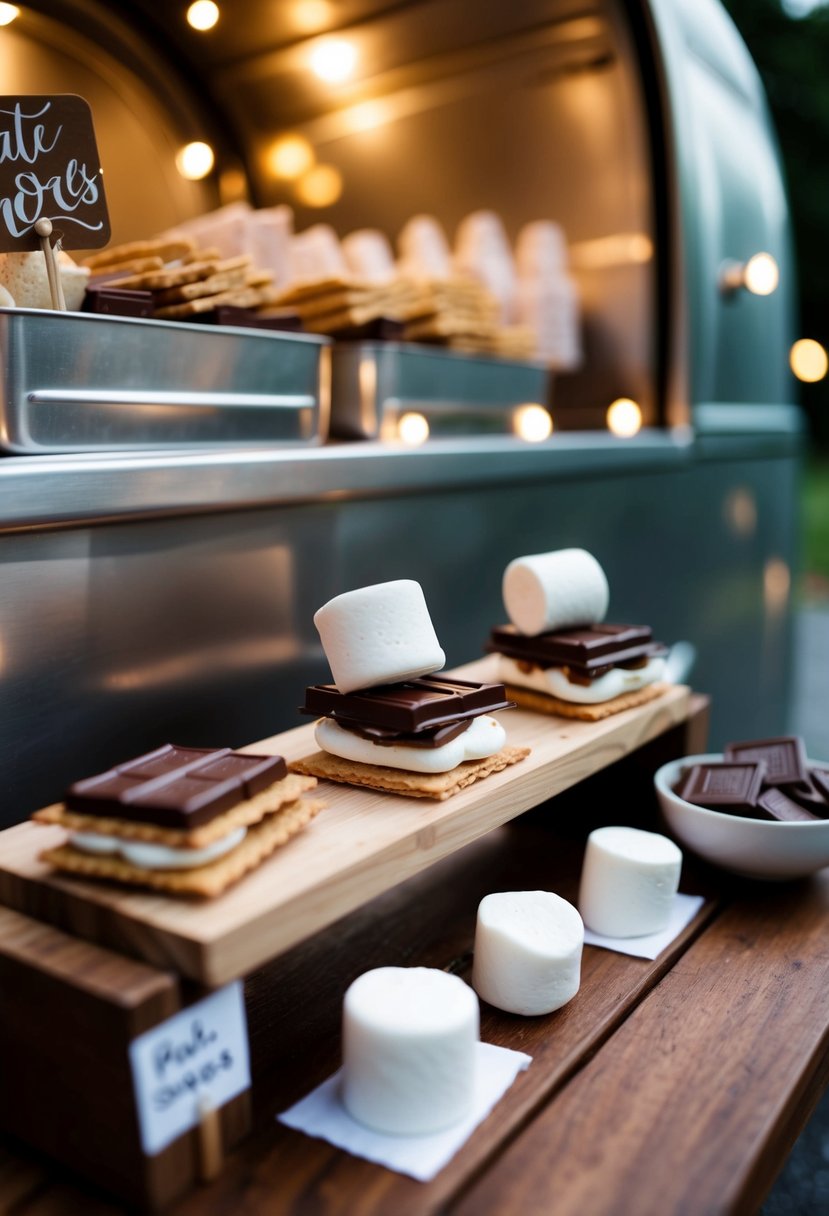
(333, 60)
(202, 15)
(194, 161)
(532, 423)
(761, 275)
(808, 360)
(412, 429)
(289, 157)
(624, 418)
(320, 186)
(8, 12)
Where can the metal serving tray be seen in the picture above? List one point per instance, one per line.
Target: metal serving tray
(375, 383)
(73, 382)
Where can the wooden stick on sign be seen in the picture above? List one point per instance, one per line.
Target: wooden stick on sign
(43, 228)
(209, 1130)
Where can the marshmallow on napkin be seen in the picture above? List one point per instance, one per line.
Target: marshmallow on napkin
(628, 881)
(409, 1049)
(558, 590)
(528, 948)
(381, 634)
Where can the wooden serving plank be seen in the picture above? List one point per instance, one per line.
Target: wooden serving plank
(693, 1104)
(361, 845)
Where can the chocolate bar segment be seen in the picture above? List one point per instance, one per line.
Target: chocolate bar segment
(436, 737)
(411, 706)
(728, 787)
(591, 651)
(176, 787)
(780, 806)
(785, 758)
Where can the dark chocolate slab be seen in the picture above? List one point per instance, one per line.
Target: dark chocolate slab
(728, 786)
(436, 737)
(118, 301)
(780, 806)
(785, 757)
(590, 651)
(175, 787)
(411, 706)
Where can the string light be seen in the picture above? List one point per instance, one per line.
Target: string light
(195, 160)
(761, 275)
(320, 186)
(624, 418)
(532, 423)
(412, 429)
(808, 360)
(333, 60)
(289, 157)
(203, 15)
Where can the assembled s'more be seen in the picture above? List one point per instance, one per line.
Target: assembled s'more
(558, 656)
(389, 721)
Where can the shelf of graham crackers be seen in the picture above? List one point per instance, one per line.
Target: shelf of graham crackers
(362, 844)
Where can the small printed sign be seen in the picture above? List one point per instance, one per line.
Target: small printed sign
(50, 169)
(200, 1053)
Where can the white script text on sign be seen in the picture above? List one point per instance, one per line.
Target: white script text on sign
(199, 1053)
(50, 169)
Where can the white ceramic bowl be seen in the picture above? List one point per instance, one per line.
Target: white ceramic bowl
(754, 848)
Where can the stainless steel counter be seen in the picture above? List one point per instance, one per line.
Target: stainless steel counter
(49, 491)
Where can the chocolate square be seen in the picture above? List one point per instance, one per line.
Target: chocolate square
(785, 757)
(726, 786)
(779, 806)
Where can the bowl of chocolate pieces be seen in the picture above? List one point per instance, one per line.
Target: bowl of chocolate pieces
(759, 809)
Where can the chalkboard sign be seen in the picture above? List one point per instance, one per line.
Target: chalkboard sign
(50, 169)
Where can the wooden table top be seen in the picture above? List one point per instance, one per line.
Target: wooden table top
(669, 1086)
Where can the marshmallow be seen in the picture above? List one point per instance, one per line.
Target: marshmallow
(628, 881)
(369, 256)
(528, 948)
(25, 279)
(483, 737)
(553, 681)
(156, 856)
(409, 1042)
(558, 590)
(424, 249)
(379, 635)
(482, 249)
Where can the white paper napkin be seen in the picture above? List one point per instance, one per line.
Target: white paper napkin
(684, 910)
(321, 1114)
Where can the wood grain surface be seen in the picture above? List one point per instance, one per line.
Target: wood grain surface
(693, 1104)
(363, 844)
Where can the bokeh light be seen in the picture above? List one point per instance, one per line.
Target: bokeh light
(532, 423)
(203, 15)
(808, 360)
(333, 60)
(761, 275)
(320, 186)
(412, 429)
(195, 160)
(289, 157)
(624, 418)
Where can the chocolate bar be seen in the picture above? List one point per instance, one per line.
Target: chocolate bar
(412, 706)
(435, 737)
(118, 301)
(176, 787)
(590, 651)
(779, 806)
(730, 787)
(785, 758)
(249, 318)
